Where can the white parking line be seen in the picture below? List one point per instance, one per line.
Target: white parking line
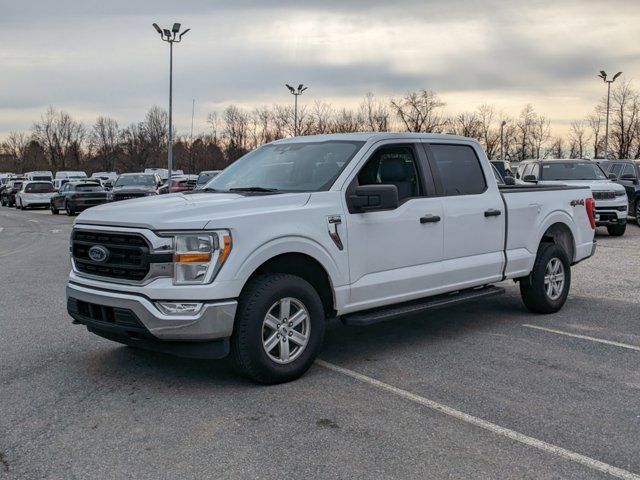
(491, 427)
(585, 337)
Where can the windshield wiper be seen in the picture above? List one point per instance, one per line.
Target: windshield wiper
(253, 189)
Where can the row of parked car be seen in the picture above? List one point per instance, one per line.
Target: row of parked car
(615, 185)
(73, 192)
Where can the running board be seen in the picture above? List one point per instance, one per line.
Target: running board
(376, 315)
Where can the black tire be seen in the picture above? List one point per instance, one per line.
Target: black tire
(637, 211)
(18, 205)
(258, 297)
(70, 211)
(54, 210)
(617, 230)
(532, 288)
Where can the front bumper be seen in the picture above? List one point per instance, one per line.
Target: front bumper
(136, 318)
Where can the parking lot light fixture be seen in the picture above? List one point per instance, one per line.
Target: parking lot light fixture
(603, 76)
(171, 37)
(295, 92)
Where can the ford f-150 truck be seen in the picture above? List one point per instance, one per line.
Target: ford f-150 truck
(364, 227)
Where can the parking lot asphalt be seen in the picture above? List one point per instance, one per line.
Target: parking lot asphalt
(483, 390)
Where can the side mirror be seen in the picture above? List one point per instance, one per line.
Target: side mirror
(613, 176)
(367, 198)
(509, 180)
(529, 178)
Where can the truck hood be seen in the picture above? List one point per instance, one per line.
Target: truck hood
(192, 211)
(594, 185)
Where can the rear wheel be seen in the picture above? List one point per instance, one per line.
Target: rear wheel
(637, 211)
(546, 288)
(617, 230)
(279, 328)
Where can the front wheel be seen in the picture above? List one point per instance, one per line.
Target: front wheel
(279, 328)
(546, 288)
(70, 211)
(617, 230)
(54, 210)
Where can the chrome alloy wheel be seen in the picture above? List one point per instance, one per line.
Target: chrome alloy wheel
(554, 279)
(285, 330)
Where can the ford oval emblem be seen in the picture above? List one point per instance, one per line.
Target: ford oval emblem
(98, 254)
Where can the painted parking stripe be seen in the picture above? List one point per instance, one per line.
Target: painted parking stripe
(491, 427)
(585, 337)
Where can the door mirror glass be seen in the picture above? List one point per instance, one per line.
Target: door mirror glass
(368, 198)
(613, 176)
(508, 180)
(530, 178)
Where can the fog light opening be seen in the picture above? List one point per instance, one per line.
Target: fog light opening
(176, 308)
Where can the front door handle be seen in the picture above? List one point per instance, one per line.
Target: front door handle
(492, 213)
(429, 219)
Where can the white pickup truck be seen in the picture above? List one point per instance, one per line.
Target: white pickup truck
(364, 227)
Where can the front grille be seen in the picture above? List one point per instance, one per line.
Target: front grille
(126, 196)
(604, 195)
(128, 257)
(86, 312)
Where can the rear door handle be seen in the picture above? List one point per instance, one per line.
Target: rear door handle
(429, 219)
(492, 213)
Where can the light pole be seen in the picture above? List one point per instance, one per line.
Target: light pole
(295, 93)
(171, 37)
(502, 124)
(603, 76)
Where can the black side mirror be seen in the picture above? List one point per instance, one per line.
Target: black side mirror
(508, 180)
(613, 176)
(367, 198)
(529, 178)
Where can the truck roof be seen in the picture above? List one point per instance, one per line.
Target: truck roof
(367, 136)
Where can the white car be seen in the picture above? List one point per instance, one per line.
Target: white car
(611, 198)
(35, 195)
(364, 227)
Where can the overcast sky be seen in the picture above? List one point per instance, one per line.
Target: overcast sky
(92, 57)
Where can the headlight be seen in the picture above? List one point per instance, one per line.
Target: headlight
(199, 256)
(621, 193)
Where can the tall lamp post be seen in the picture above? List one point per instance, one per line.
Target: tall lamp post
(171, 37)
(295, 92)
(502, 124)
(603, 76)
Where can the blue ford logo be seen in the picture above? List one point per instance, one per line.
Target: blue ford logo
(98, 253)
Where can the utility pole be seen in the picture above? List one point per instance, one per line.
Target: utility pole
(502, 124)
(171, 37)
(603, 76)
(295, 93)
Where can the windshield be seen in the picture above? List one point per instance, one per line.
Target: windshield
(136, 180)
(294, 167)
(44, 187)
(205, 177)
(572, 171)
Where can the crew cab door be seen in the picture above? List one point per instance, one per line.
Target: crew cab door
(474, 214)
(394, 254)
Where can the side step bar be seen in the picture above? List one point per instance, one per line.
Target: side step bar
(376, 315)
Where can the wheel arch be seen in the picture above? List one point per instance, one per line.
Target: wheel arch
(560, 233)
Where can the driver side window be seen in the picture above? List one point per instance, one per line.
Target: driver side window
(393, 165)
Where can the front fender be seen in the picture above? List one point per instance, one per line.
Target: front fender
(292, 244)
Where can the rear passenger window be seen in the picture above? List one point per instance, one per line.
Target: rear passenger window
(628, 170)
(459, 169)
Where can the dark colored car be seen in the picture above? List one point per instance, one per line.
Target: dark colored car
(179, 184)
(627, 174)
(135, 185)
(204, 177)
(8, 196)
(74, 197)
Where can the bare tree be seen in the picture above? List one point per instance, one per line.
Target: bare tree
(236, 123)
(104, 138)
(420, 111)
(322, 114)
(61, 137)
(578, 139)
(625, 120)
(375, 114)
